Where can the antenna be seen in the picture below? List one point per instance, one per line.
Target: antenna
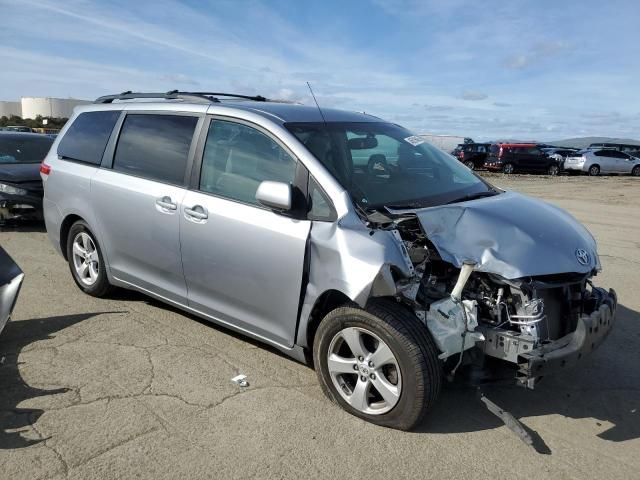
(317, 105)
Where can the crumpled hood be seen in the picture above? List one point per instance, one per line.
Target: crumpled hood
(511, 235)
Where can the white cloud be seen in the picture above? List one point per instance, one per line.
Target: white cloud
(474, 96)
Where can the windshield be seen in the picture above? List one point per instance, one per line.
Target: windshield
(27, 149)
(384, 165)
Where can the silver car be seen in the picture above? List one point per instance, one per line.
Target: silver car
(595, 162)
(339, 238)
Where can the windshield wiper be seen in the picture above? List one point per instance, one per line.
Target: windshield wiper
(473, 196)
(402, 206)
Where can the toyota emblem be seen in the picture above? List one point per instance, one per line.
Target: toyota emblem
(582, 256)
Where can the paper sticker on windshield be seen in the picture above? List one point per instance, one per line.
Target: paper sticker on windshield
(414, 140)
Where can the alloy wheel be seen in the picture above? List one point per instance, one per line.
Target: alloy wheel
(364, 371)
(85, 259)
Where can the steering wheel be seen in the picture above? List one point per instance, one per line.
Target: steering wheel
(378, 166)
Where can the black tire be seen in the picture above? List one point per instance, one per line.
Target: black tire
(636, 171)
(101, 287)
(470, 165)
(553, 170)
(411, 344)
(508, 168)
(594, 170)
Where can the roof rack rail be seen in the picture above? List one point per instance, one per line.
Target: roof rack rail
(175, 94)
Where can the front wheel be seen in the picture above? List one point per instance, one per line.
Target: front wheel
(86, 262)
(380, 364)
(508, 168)
(470, 165)
(636, 171)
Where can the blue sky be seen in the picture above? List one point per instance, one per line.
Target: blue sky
(489, 69)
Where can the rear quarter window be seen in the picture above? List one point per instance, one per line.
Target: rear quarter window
(87, 137)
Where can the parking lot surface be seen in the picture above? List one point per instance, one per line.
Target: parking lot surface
(130, 388)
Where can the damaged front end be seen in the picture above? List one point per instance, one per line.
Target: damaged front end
(477, 287)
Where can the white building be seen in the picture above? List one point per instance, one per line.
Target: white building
(443, 142)
(31, 107)
(10, 108)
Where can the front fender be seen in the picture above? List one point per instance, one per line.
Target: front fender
(348, 257)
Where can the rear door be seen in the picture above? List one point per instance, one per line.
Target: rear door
(622, 162)
(607, 160)
(138, 197)
(243, 262)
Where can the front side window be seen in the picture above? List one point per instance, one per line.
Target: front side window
(237, 158)
(87, 137)
(155, 146)
(382, 164)
(23, 149)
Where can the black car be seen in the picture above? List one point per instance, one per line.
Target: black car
(473, 155)
(20, 182)
(521, 158)
(560, 153)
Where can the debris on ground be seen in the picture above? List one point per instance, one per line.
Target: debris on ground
(509, 420)
(240, 380)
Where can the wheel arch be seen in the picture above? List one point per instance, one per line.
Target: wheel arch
(329, 300)
(65, 226)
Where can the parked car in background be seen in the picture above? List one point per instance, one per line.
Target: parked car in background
(522, 158)
(380, 257)
(595, 162)
(559, 153)
(473, 155)
(18, 128)
(20, 182)
(11, 277)
(631, 149)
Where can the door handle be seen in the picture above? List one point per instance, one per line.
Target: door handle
(166, 202)
(198, 212)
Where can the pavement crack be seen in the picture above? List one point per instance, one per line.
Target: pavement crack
(45, 443)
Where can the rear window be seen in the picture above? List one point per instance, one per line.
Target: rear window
(23, 149)
(87, 137)
(155, 146)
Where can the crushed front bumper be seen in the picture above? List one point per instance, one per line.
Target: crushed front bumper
(566, 351)
(20, 207)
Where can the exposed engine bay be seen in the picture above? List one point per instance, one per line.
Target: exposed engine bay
(508, 319)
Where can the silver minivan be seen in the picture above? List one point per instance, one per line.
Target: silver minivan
(341, 239)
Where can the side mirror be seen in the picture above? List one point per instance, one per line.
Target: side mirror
(276, 195)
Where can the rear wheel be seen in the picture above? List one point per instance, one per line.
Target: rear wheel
(86, 262)
(508, 168)
(380, 364)
(553, 170)
(594, 170)
(636, 171)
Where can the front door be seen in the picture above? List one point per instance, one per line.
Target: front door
(243, 263)
(138, 201)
